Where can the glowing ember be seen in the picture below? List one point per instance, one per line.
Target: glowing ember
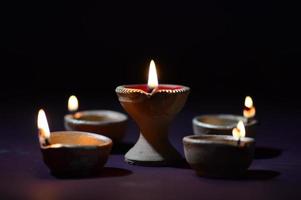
(249, 110)
(72, 104)
(152, 76)
(239, 131)
(44, 132)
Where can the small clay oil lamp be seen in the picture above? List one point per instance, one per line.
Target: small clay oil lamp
(224, 123)
(105, 122)
(220, 155)
(153, 107)
(72, 153)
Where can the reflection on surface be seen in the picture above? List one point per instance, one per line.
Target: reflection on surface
(105, 172)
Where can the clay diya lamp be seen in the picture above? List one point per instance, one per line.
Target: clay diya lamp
(153, 107)
(222, 124)
(105, 122)
(72, 153)
(220, 156)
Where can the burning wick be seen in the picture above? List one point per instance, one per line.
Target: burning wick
(152, 82)
(44, 132)
(249, 109)
(239, 132)
(72, 105)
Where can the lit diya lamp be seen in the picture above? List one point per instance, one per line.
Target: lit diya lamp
(105, 122)
(224, 123)
(152, 106)
(72, 153)
(220, 155)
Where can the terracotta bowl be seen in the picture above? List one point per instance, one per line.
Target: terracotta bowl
(74, 153)
(218, 155)
(221, 124)
(105, 122)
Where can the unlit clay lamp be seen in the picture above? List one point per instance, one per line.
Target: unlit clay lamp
(72, 153)
(220, 156)
(153, 107)
(224, 123)
(105, 122)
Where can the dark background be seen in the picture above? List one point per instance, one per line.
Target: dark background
(223, 50)
(218, 48)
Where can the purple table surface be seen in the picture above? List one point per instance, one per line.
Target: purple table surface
(274, 173)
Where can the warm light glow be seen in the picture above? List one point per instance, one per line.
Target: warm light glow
(72, 104)
(57, 145)
(152, 76)
(248, 102)
(249, 110)
(44, 132)
(239, 131)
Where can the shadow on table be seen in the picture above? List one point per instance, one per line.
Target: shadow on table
(258, 174)
(114, 172)
(121, 148)
(105, 172)
(182, 164)
(250, 175)
(266, 152)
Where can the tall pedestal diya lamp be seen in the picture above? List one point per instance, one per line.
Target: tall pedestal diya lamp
(153, 107)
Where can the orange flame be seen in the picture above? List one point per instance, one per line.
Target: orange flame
(239, 131)
(72, 103)
(44, 132)
(152, 82)
(249, 110)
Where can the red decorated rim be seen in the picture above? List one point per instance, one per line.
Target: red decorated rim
(143, 88)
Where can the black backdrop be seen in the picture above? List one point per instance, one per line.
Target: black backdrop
(215, 47)
(222, 49)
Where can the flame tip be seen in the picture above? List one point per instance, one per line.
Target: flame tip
(152, 76)
(72, 103)
(249, 110)
(239, 131)
(43, 126)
